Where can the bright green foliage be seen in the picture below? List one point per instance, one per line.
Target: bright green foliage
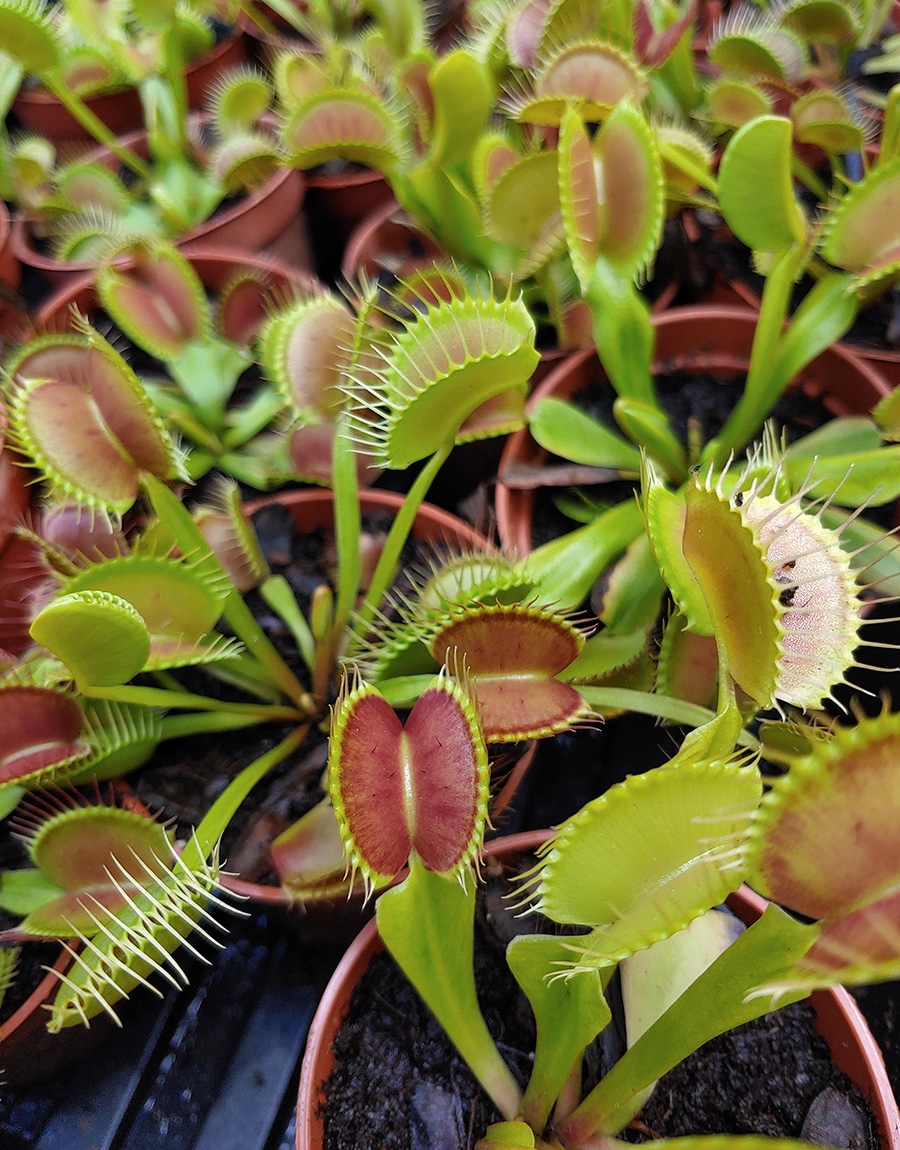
(762, 211)
(599, 870)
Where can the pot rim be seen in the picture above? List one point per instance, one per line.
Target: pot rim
(514, 508)
(66, 295)
(287, 181)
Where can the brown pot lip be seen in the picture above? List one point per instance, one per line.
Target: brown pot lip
(352, 179)
(25, 250)
(317, 1059)
(513, 508)
(836, 1002)
(42, 97)
(66, 295)
(365, 230)
(371, 499)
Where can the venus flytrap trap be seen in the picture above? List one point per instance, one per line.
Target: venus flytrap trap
(794, 576)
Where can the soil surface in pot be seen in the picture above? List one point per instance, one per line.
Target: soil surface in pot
(698, 404)
(399, 1084)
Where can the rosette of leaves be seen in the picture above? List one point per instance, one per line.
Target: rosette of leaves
(182, 182)
(161, 304)
(849, 458)
(75, 710)
(637, 873)
(157, 299)
(638, 869)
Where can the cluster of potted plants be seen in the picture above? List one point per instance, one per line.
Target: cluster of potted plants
(693, 508)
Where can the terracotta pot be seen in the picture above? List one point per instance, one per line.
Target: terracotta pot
(838, 1020)
(121, 111)
(841, 1023)
(266, 219)
(214, 266)
(707, 337)
(318, 1061)
(340, 917)
(885, 361)
(10, 270)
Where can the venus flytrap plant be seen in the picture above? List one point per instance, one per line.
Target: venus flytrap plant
(456, 369)
(848, 459)
(54, 737)
(113, 884)
(637, 869)
(160, 303)
(416, 795)
(455, 364)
